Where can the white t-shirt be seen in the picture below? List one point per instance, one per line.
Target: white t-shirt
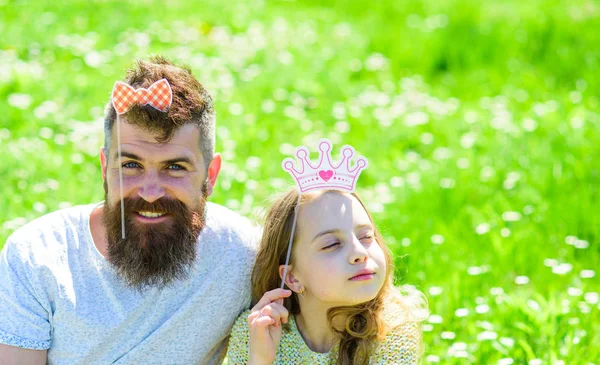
(57, 292)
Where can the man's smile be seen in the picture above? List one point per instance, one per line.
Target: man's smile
(151, 217)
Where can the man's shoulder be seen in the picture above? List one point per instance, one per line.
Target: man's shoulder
(225, 223)
(50, 229)
(221, 214)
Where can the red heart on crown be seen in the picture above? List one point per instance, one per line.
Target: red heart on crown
(326, 175)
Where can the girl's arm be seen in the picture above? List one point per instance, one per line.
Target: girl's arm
(265, 322)
(256, 333)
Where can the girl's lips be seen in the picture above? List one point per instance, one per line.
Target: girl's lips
(365, 274)
(362, 277)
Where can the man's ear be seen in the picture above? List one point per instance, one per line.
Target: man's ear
(103, 162)
(291, 280)
(213, 172)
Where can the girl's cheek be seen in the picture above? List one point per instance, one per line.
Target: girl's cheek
(377, 254)
(326, 293)
(323, 281)
(328, 264)
(328, 272)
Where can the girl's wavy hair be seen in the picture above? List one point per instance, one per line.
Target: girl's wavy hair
(365, 323)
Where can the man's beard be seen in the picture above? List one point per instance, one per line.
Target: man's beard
(153, 254)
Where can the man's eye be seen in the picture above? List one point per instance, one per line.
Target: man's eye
(130, 165)
(176, 167)
(331, 246)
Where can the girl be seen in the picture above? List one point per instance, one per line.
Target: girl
(342, 307)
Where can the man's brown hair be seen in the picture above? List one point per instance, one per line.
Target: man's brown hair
(191, 104)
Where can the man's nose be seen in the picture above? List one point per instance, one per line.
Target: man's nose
(151, 188)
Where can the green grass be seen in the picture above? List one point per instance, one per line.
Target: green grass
(466, 110)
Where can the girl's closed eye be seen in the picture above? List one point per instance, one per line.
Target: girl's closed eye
(367, 237)
(331, 245)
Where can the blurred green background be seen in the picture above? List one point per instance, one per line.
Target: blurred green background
(479, 119)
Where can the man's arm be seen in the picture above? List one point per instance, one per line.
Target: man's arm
(25, 329)
(10, 355)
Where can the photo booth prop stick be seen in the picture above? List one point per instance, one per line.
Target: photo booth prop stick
(158, 95)
(324, 175)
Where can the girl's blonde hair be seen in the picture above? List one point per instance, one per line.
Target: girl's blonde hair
(365, 323)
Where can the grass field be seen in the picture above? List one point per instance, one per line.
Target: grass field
(480, 120)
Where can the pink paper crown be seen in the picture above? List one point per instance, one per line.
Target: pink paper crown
(326, 174)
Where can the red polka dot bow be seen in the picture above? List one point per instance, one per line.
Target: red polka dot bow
(158, 95)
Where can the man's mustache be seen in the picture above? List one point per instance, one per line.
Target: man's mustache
(163, 205)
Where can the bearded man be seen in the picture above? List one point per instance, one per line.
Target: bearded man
(161, 286)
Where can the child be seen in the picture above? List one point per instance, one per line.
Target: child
(342, 307)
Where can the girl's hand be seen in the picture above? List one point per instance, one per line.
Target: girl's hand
(265, 321)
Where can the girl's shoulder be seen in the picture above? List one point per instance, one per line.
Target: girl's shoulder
(239, 340)
(404, 308)
(292, 348)
(407, 334)
(401, 345)
(240, 326)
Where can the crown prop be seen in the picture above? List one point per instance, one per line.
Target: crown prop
(324, 175)
(158, 95)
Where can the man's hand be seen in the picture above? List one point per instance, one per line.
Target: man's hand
(10, 355)
(265, 321)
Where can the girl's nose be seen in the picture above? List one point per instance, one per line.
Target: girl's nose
(359, 252)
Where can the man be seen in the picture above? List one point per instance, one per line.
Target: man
(74, 291)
